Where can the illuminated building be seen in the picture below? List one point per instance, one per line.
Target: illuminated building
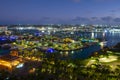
(3, 28)
(9, 62)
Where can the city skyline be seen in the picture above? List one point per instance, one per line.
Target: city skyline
(59, 12)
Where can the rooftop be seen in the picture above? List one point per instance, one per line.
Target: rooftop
(9, 58)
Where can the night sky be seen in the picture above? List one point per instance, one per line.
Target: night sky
(59, 11)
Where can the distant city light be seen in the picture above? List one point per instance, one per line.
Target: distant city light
(105, 31)
(43, 31)
(21, 28)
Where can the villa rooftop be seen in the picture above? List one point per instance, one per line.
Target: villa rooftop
(9, 58)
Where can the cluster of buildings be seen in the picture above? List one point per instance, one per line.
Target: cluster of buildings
(10, 61)
(3, 28)
(55, 28)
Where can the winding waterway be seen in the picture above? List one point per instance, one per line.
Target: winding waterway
(111, 39)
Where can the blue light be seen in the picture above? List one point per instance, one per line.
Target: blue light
(12, 38)
(37, 34)
(3, 39)
(50, 50)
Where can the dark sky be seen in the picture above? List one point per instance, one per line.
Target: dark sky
(59, 11)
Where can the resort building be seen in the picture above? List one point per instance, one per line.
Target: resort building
(3, 28)
(9, 62)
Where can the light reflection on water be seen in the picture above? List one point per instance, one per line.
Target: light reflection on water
(80, 54)
(111, 38)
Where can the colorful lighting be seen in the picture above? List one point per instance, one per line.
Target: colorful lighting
(50, 50)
